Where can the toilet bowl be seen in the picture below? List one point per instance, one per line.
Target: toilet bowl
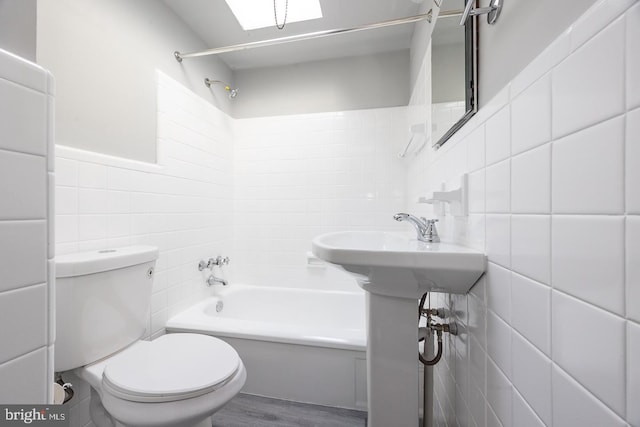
(176, 380)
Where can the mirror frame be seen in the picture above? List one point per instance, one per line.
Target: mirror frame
(471, 80)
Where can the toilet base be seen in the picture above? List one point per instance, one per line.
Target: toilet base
(101, 417)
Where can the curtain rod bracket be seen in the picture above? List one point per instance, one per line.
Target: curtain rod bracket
(177, 55)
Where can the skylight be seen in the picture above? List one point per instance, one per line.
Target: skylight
(252, 14)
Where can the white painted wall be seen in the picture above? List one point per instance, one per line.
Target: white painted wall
(524, 30)
(18, 27)
(551, 158)
(104, 54)
(26, 232)
(354, 83)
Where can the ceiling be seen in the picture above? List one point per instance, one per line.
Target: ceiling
(213, 21)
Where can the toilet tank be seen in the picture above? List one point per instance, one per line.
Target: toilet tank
(102, 302)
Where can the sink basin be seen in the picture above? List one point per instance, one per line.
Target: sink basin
(395, 265)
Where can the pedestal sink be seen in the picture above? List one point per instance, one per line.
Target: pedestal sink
(396, 270)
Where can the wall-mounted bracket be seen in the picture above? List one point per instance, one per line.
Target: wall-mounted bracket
(492, 12)
(456, 199)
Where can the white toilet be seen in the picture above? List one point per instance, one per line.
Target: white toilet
(102, 309)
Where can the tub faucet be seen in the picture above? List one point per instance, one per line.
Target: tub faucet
(426, 228)
(212, 280)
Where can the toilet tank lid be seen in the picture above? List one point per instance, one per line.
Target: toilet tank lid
(90, 262)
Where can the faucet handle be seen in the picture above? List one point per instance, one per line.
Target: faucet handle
(430, 221)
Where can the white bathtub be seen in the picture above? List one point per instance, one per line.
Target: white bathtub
(297, 344)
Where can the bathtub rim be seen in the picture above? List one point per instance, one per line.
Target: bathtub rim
(192, 320)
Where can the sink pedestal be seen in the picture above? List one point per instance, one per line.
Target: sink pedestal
(392, 361)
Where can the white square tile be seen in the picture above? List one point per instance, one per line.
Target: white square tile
(30, 372)
(531, 311)
(594, 273)
(531, 181)
(118, 202)
(118, 226)
(92, 201)
(531, 116)
(575, 324)
(499, 343)
(477, 191)
(499, 239)
(523, 413)
(23, 186)
(476, 149)
(633, 373)
(532, 376)
(476, 322)
(498, 281)
(66, 229)
(477, 363)
(26, 307)
(66, 172)
(498, 136)
(632, 158)
(66, 200)
(580, 182)
(23, 119)
(574, 406)
(633, 57)
(23, 261)
(499, 394)
(498, 187)
(92, 227)
(599, 60)
(531, 246)
(632, 269)
(477, 406)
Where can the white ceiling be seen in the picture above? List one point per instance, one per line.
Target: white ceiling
(213, 21)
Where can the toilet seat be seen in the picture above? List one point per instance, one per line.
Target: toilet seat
(170, 368)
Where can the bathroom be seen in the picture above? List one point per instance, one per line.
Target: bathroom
(147, 154)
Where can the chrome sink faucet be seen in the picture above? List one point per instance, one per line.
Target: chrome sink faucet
(426, 228)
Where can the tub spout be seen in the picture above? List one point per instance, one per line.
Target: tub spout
(212, 280)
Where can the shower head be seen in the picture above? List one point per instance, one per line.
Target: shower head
(232, 92)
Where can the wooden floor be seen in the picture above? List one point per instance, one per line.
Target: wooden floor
(254, 411)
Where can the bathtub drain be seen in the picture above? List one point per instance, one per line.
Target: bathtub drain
(219, 306)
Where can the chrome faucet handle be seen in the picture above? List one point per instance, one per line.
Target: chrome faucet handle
(202, 265)
(430, 234)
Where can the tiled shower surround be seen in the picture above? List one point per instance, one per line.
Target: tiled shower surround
(256, 190)
(551, 334)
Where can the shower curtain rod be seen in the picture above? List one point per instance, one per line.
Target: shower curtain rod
(309, 36)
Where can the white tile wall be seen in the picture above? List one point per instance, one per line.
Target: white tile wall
(556, 295)
(26, 91)
(182, 205)
(299, 176)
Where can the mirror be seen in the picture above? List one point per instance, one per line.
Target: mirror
(454, 91)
